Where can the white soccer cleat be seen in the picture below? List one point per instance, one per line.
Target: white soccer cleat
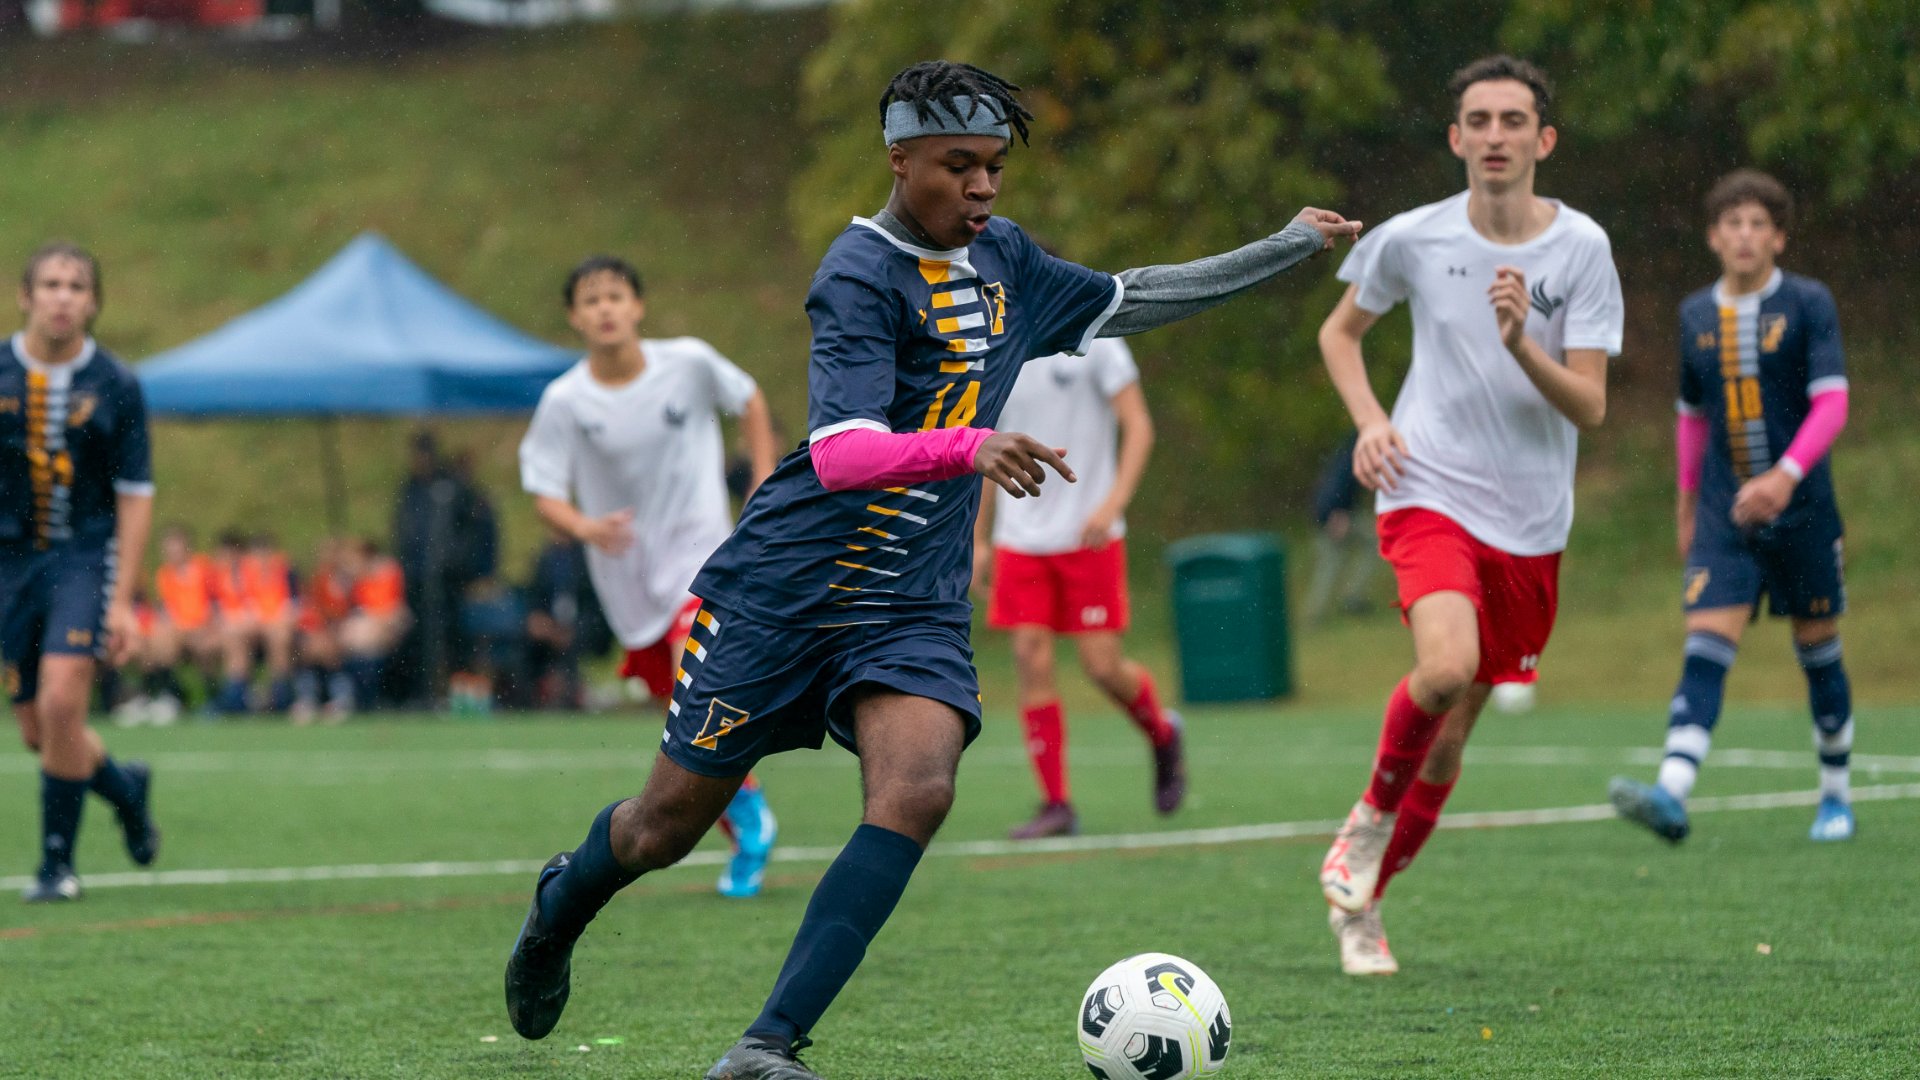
(1363, 941)
(1352, 866)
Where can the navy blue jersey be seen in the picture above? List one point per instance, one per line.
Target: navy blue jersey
(72, 437)
(904, 339)
(1751, 364)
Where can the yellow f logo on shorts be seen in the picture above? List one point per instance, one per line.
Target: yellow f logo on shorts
(722, 718)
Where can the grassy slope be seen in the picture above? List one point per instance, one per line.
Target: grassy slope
(210, 189)
(1582, 949)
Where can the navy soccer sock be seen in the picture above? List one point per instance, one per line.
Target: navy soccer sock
(1695, 710)
(61, 802)
(570, 900)
(113, 783)
(849, 906)
(1831, 698)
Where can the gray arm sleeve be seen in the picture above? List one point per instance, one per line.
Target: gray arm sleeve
(1158, 295)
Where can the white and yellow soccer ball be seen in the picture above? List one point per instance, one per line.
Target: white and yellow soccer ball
(1154, 1017)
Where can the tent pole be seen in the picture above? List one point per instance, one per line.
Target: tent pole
(333, 475)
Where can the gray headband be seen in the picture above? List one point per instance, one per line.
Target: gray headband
(964, 115)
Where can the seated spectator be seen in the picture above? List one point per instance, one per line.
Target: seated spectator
(324, 606)
(185, 627)
(253, 587)
(377, 617)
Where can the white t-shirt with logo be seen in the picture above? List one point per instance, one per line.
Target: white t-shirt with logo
(653, 446)
(1066, 400)
(1484, 446)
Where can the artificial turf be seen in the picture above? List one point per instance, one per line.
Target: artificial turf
(1583, 949)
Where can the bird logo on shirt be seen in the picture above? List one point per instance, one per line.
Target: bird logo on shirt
(1063, 379)
(676, 414)
(1543, 303)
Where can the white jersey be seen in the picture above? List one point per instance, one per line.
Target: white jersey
(652, 446)
(1066, 400)
(1484, 446)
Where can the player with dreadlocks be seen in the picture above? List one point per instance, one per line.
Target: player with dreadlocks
(839, 604)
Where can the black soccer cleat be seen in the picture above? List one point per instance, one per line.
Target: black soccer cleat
(57, 885)
(136, 821)
(753, 1058)
(1170, 767)
(540, 969)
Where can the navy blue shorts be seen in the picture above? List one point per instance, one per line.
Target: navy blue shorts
(1799, 570)
(745, 690)
(52, 601)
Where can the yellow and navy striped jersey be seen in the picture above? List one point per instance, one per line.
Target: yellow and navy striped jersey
(904, 339)
(73, 436)
(1751, 365)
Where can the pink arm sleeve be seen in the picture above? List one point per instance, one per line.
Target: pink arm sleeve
(1826, 415)
(865, 459)
(1690, 439)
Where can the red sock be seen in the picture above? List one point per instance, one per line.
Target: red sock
(1047, 745)
(1419, 811)
(1146, 714)
(1404, 738)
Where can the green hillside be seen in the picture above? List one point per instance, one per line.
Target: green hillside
(209, 186)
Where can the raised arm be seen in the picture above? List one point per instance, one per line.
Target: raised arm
(1157, 295)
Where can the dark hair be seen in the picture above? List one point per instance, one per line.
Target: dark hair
(1499, 68)
(231, 538)
(60, 249)
(602, 264)
(931, 81)
(1742, 186)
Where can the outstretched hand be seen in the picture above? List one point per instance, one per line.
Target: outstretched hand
(1013, 461)
(1329, 225)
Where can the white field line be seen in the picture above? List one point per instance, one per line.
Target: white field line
(333, 767)
(1182, 838)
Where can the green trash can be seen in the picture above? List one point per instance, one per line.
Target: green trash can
(1230, 617)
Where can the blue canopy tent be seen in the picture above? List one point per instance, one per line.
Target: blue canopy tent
(369, 334)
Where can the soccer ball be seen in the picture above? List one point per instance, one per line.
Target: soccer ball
(1513, 697)
(1154, 1017)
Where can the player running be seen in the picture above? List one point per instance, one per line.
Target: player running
(76, 501)
(625, 454)
(1763, 395)
(1516, 308)
(1058, 565)
(839, 604)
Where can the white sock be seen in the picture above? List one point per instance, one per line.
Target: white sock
(1839, 744)
(1687, 746)
(1834, 783)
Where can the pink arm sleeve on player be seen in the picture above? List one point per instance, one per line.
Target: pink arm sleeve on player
(1826, 415)
(1690, 439)
(865, 459)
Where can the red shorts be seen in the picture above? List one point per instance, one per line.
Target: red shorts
(658, 664)
(1074, 592)
(1516, 595)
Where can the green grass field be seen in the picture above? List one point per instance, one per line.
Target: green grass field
(1578, 948)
